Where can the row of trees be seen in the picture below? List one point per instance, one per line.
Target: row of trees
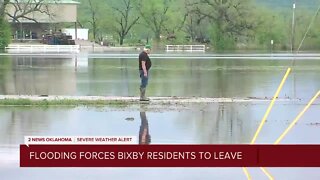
(225, 24)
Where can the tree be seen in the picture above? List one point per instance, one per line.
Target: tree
(4, 27)
(196, 26)
(306, 31)
(124, 18)
(191, 26)
(94, 15)
(93, 18)
(24, 9)
(173, 26)
(5, 33)
(229, 19)
(3, 5)
(271, 26)
(154, 14)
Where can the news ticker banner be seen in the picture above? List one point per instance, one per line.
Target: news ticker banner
(79, 140)
(133, 155)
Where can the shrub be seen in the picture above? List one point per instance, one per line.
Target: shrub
(5, 33)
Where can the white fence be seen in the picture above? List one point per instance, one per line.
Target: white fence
(17, 48)
(197, 48)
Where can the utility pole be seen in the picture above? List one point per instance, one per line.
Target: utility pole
(293, 26)
(292, 45)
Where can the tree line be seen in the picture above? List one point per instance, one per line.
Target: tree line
(222, 24)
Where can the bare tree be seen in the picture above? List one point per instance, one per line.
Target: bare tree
(23, 9)
(195, 24)
(155, 14)
(173, 25)
(192, 26)
(93, 18)
(228, 17)
(124, 19)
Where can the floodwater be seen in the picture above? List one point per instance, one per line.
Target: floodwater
(169, 77)
(213, 123)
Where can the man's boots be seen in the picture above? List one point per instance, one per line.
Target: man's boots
(143, 95)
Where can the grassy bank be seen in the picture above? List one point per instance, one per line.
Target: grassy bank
(64, 102)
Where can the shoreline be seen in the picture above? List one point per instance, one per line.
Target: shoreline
(24, 100)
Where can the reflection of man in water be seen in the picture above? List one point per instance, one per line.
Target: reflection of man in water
(144, 136)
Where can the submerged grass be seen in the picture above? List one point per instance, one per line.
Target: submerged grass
(63, 102)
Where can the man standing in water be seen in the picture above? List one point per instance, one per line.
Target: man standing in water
(144, 66)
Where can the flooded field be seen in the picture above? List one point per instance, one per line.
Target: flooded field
(198, 123)
(169, 77)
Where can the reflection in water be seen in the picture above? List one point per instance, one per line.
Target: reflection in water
(15, 123)
(197, 124)
(37, 76)
(144, 136)
(171, 77)
(194, 124)
(223, 123)
(125, 75)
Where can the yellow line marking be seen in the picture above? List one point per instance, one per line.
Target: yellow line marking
(246, 172)
(264, 120)
(267, 173)
(290, 127)
(270, 106)
(297, 118)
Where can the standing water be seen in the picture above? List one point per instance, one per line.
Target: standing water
(199, 123)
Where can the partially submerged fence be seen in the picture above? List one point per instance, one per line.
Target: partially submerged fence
(190, 48)
(17, 48)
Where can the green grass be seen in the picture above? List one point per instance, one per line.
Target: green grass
(64, 102)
